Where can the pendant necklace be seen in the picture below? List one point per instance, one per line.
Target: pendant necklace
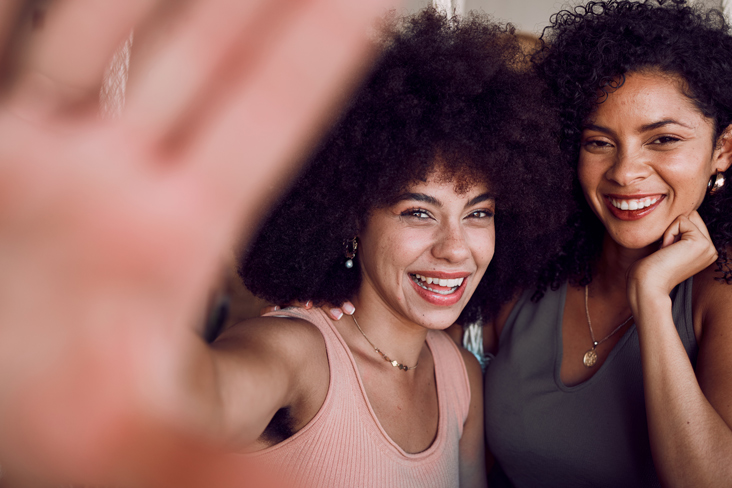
(394, 363)
(590, 357)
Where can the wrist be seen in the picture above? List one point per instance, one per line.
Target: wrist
(645, 299)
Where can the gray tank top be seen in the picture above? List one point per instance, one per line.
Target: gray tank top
(546, 434)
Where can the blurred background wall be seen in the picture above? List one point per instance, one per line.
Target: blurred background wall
(529, 16)
(233, 302)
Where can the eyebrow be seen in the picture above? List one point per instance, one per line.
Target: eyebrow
(643, 128)
(422, 197)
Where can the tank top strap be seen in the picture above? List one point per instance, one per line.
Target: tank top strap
(451, 376)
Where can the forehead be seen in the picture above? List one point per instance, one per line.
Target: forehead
(648, 97)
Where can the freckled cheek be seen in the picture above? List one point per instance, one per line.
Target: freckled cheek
(688, 180)
(482, 245)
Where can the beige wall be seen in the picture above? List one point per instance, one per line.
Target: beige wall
(527, 15)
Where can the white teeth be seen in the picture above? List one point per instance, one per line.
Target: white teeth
(453, 284)
(636, 204)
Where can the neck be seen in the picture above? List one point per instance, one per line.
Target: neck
(401, 340)
(614, 263)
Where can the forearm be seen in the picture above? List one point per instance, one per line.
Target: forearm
(690, 441)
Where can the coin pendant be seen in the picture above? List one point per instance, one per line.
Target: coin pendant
(590, 358)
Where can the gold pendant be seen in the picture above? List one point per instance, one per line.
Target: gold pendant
(590, 358)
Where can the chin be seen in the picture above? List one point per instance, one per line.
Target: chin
(438, 320)
(633, 240)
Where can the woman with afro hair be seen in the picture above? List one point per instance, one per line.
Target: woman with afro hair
(447, 152)
(621, 375)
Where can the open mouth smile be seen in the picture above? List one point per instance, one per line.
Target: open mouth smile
(439, 285)
(632, 208)
(438, 290)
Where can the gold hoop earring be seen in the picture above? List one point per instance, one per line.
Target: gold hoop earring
(351, 246)
(716, 182)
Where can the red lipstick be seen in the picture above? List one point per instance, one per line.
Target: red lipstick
(436, 298)
(631, 214)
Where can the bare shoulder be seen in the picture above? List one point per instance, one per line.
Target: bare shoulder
(711, 300)
(284, 332)
(472, 366)
(294, 346)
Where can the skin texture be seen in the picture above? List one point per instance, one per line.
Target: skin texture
(112, 231)
(688, 410)
(398, 241)
(270, 363)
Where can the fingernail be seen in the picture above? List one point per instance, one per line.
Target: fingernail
(336, 313)
(308, 304)
(348, 308)
(276, 307)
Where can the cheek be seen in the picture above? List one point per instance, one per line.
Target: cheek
(688, 179)
(483, 244)
(588, 174)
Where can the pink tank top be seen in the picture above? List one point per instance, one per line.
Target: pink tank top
(344, 445)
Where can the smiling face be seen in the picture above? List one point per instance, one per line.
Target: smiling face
(423, 256)
(646, 157)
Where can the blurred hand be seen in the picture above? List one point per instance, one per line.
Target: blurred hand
(112, 230)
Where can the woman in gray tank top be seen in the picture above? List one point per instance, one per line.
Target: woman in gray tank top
(617, 372)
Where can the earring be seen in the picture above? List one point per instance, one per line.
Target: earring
(716, 182)
(351, 246)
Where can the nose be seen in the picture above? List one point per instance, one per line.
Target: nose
(628, 167)
(451, 244)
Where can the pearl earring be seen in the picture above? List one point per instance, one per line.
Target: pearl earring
(351, 246)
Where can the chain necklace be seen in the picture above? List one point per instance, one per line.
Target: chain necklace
(394, 363)
(590, 357)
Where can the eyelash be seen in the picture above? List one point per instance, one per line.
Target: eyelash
(413, 212)
(657, 141)
(665, 140)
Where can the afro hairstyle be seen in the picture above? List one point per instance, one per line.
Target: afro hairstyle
(587, 52)
(457, 89)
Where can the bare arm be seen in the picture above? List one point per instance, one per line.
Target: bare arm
(260, 366)
(111, 231)
(689, 413)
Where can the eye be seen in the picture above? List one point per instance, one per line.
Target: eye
(665, 140)
(596, 144)
(417, 213)
(481, 214)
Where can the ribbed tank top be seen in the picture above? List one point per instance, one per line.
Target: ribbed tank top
(546, 434)
(344, 445)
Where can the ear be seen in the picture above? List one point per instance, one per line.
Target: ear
(722, 156)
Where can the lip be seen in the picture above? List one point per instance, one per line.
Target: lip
(436, 298)
(632, 214)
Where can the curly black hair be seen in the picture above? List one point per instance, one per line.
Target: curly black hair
(454, 88)
(586, 54)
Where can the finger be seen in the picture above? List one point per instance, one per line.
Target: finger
(66, 59)
(283, 101)
(672, 233)
(334, 313)
(697, 220)
(192, 64)
(348, 308)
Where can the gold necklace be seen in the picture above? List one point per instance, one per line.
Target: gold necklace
(590, 357)
(394, 363)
